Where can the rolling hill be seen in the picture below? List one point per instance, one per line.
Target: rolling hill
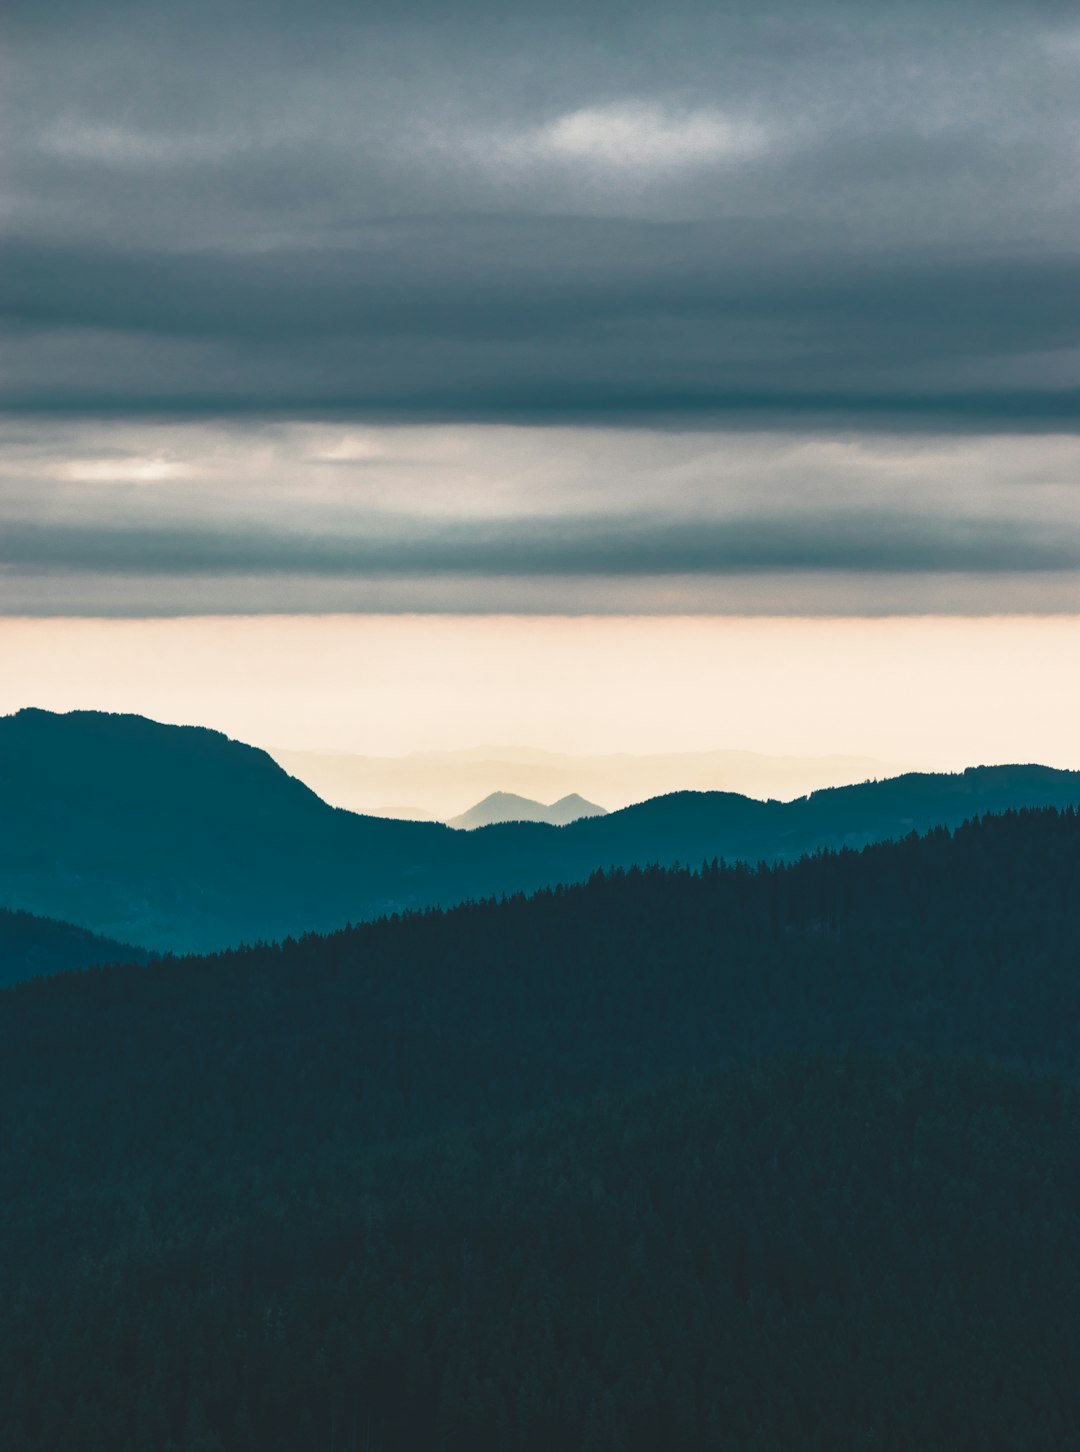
(180, 839)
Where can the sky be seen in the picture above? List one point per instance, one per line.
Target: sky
(338, 316)
(908, 691)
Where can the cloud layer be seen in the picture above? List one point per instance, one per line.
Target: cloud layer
(834, 212)
(507, 307)
(203, 518)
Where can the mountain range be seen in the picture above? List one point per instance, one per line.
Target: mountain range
(508, 807)
(179, 839)
(432, 786)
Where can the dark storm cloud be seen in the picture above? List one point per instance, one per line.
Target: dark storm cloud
(598, 546)
(484, 213)
(811, 270)
(504, 281)
(581, 320)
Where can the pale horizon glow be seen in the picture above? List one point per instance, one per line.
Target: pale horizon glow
(931, 692)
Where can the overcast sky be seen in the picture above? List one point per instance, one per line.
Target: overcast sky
(567, 307)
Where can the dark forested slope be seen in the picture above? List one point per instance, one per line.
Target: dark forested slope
(739, 1159)
(30, 946)
(178, 838)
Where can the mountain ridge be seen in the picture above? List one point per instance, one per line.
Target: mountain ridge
(439, 785)
(182, 839)
(509, 807)
(32, 946)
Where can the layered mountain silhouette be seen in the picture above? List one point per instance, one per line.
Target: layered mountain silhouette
(433, 786)
(31, 947)
(180, 839)
(508, 807)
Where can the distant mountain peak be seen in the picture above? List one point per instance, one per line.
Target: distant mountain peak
(509, 807)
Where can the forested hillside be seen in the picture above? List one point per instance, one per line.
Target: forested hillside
(729, 1159)
(182, 840)
(31, 946)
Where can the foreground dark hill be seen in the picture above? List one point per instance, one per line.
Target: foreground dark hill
(751, 1160)
(177, 837)
(31, 946)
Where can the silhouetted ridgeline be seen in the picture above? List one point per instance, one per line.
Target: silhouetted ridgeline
(30, 946)
(771, 1160)
(177, 838)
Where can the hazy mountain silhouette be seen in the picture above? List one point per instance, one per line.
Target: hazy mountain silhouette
(434, 786)
(508, 807)
(176, 837)
(32, 946)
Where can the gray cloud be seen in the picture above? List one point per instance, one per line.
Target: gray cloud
(604, 307)
(590, 546)
(265, 517)
(579, 320)
(491, 212)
